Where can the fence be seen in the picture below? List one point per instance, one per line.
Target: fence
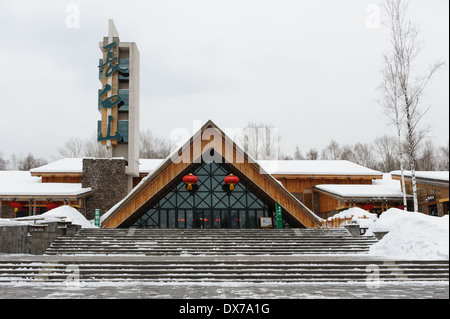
(339, 222)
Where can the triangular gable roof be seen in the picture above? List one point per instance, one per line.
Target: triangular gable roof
(179, 162)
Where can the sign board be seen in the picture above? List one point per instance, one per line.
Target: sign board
(266, 222)
(111, 68)
(430, 198)
(279, 211)
(97, 217)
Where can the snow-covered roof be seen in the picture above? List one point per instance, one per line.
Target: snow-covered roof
(384, 188)
(366, 191)
(75, 166)
(316, 168)
(439, 175)
(17, 177)
(346, 168)
(43, 189)
(66, 165)
(18, 183)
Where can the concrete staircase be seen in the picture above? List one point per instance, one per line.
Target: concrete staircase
(216, 256)
(231, 269)
(207, 242)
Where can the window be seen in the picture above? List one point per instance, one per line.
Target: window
(210, 206)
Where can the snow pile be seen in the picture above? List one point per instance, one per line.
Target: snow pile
(63, 213)
(11, 222)
(411, 236)
(70, 214)
(357, 215)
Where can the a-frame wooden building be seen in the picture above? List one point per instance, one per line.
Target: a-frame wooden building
(162, 200)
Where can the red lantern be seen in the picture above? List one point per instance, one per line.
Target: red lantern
(16, 206)
(368, 207)
(231, 180)
(51, 206)
(190, 180)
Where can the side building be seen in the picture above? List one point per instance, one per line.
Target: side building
(432, 190)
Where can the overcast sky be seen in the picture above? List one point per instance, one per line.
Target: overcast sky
(310, 68)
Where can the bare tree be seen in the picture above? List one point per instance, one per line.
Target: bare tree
(347, 153)
(153, 147)
(363, 154)
(405, 49)
(73, 148)
(387, 149)
(76, 148)
(30, 162)
(332, 151)
(13, 163)
(2, 163)
(312, 155)
(284, 157)
(298, 154)
(443, 158)
(427, 161)
(261, 141)
(92, 148)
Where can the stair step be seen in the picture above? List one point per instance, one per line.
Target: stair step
(210, 242)
(216, 270)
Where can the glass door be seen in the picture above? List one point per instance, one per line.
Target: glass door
(198, 218)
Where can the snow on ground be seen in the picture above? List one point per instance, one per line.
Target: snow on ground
(11, 222)
(65, 213)
(411, 236)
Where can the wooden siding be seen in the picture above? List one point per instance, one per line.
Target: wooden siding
(327, 203)
(299, 185)
(71, 179)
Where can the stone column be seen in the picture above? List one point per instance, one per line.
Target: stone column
(108, 181)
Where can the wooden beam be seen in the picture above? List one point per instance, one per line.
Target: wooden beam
(318, 176)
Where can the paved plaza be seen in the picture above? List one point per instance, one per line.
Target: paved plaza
(226, 291)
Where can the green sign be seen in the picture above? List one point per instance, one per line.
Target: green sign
(97, 217)
(108, 136)
(109, 66)
(279, 211)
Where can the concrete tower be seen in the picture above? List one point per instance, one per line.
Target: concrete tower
(118, 101)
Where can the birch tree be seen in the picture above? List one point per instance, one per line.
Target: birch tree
(391, 103)
(405, 49)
